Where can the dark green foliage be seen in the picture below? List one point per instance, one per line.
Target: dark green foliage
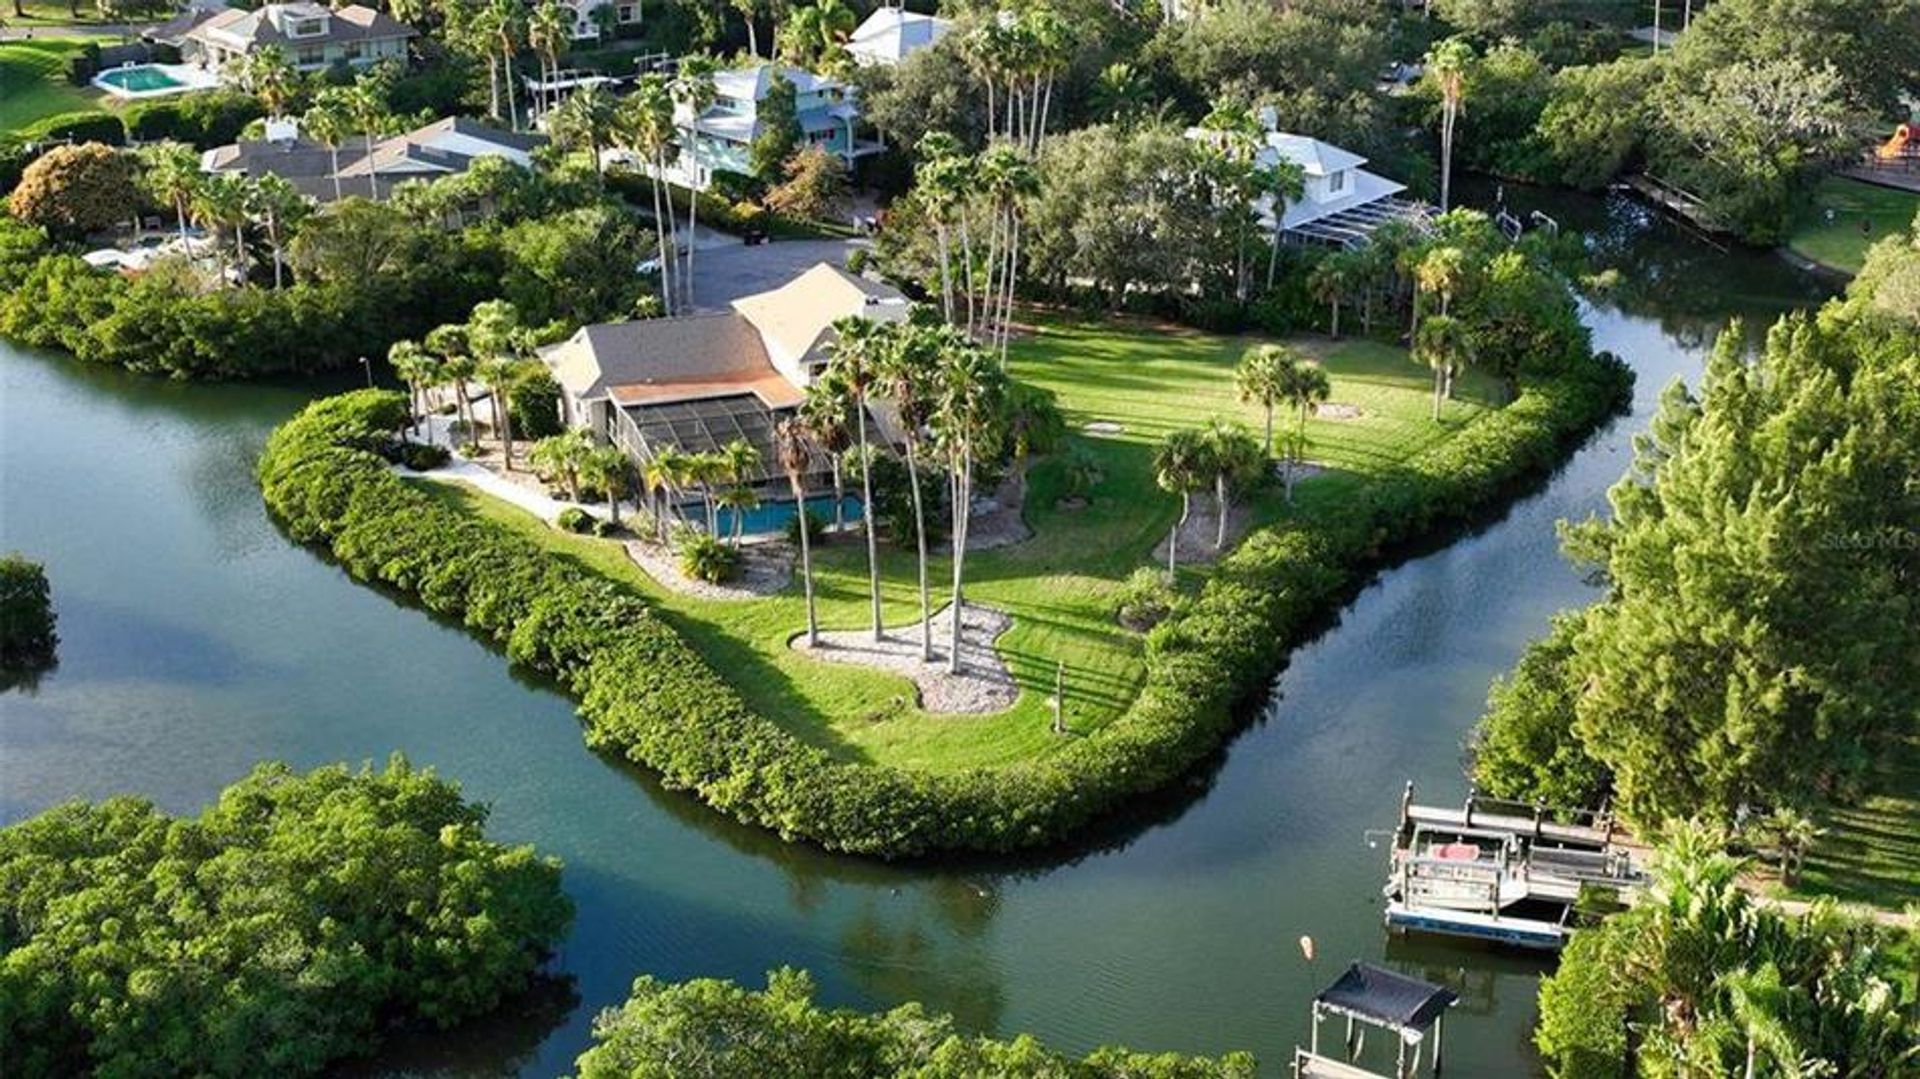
(27, 638)
(779, 130)
(705, 558)
(1525, 747)
(90, 126)
(650, 698)
(893, 500)
(283, 928)
(573, 267)
(423, 456)
(1701, 979)
(708, 1028)
(575, 519)
(1146, 599)
(814, 523)
(203, 120)
(533, 402)
(1759, 642)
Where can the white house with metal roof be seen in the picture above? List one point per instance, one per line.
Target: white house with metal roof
(891, 34)
(1342, 202)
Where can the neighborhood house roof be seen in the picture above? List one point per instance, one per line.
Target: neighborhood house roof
(443, 147)
(247, 30)
(796, 319)
(751, 83)
(668, 359)
(1387, 997)
(1314, 157)
(889, 34)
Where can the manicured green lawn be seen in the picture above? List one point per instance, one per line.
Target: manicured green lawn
(1871, 852)
(1060, 585)
(1839, 243)
(33, 82)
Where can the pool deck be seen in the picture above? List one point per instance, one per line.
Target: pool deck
(185, 79)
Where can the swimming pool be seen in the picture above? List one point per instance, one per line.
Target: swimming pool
(769, 517)
(153, 80)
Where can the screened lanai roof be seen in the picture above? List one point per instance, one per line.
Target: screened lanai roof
(707, 425)
(1387, 997)
(1352, 227)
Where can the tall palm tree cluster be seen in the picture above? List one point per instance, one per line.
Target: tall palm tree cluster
(950, 396)
(723, 479)
(1019, 58)
(976, 204)
(236, 206)
(1274, 375)
(493, 346)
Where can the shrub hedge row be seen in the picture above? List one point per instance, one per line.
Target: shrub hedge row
(648, 696)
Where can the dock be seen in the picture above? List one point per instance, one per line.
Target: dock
(1503, 872)
(1679, 204)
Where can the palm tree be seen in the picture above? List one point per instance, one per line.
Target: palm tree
(824, 411)
(564, 455)
(646, 126)
(794, 445)
(503, 20)
(969, 415)
(661, 477)
(1232, 143)
(173, 177)
(274, 200)
(748, 9)
(740, 460)
(1449, 63)
(706, 470)
(1329, 282)
(609, 469)
(549, 28)
(1179, 463)
(854, 357)
(330, 119)
(905, 369)
(449, 343)
(221, 203)
(368, 102)
(1282, 182)
(693, 89)
(1261, 378)
(1443, 270)
(942, 182)
(1442, 345)
(585, 118)
(415, 366)
(269, 75)
(1010, 180)
(495, 334)
(1307, 386)
(1119, 94)
(1235, 460)
(1760, 1006)
(738, 499)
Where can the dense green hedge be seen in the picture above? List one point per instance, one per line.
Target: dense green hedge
(646, 695)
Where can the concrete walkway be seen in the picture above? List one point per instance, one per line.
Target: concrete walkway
(523, 495)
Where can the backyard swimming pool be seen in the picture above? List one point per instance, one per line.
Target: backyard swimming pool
(771, 517)
(153, 80)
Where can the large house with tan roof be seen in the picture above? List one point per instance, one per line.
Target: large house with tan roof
(314, 36)
(697, 382)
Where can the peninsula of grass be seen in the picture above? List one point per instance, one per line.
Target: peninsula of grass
(1830, 230)
(1060, 586)
(707, 693)
(34, 86)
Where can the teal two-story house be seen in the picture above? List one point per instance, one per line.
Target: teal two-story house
(718, 140)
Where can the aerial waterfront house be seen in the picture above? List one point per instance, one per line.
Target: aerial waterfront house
(720, 139)
(890, 35)
(314, 36)
(697, 382)
(442, 148)
(1342, 203)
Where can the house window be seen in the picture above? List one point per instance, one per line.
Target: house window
(306, 27)
(629, 12)
(1337, 182)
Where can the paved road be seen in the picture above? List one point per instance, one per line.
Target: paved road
(724, 274)
(23, 29)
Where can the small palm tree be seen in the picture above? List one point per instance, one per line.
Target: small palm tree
(564, 455)
(739, 500)
(330, 119)
(706, 471)
(171, 171)
(1442, 345)
(1179, 463)
(549, 28)
(1329, 282)
(496, 337)
(1282, 182)
(661, 478)
(415, 366)
(610, 470)
(794, 445)
(1236, 462)
(969, 420)
(1307, 386)
(221, 203)
(449, 343)
(824, 411)
(740, 460)
(278, 206)
(585, 120)
(1261, 378)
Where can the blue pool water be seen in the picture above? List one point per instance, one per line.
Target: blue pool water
(139, 79)
(771, 517)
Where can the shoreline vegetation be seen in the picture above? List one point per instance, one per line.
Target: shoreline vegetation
(647, 695)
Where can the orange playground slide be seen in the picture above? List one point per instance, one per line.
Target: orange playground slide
(1905, 143)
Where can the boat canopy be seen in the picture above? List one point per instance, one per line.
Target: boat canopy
(1390, 999)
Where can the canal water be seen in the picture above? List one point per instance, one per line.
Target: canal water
(196, 640)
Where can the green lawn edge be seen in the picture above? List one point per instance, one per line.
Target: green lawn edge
(1839, 244)
(647, 695)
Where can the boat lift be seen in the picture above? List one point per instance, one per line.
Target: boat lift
(1500, 871)
(1408, 1008)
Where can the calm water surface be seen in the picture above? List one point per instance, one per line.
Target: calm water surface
(196, 640)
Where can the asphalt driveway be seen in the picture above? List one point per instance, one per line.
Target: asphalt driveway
(724, 274)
